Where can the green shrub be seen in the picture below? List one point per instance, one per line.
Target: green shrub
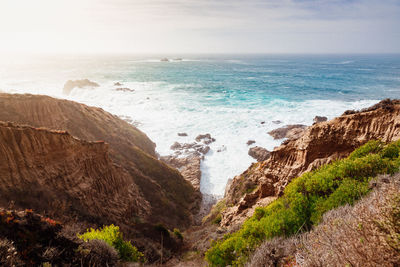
(113, 237)
(306, 199)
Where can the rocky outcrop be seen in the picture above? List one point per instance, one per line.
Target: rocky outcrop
(188, 166)
(205, 138)
(70, 84)
(187, 158)
(289, 131)
(259, 153)
(168, 197)
(320, 144)
(318, 119)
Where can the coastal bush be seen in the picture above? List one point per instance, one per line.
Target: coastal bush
(113, 237)
(97, 252)
(306, 199)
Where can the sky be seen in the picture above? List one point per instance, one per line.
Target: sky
(199, 26)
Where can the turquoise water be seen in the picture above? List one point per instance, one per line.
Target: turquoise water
(227, 96)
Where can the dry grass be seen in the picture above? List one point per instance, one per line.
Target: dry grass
(8, 254)
(366, 234)
(275, 252)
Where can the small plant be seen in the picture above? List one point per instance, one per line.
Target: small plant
(113, 237)
(178, 234)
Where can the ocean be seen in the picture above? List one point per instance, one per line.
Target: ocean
(228, 96)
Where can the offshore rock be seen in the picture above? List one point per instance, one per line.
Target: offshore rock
(69, 85)
(206, 138)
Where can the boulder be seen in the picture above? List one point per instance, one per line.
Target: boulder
(250, 142)
(182, 134)
(206, 138)
(164, 60)
(293, 131)
(69, 85)
(259, 153)
(117, 84)
(319, 119)
(176, 146)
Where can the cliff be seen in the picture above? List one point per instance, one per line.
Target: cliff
(89, 166)
(321, 143)
(57, 174)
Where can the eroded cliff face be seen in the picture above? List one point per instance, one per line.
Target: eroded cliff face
(162, 195)
(320, 144)
(57, 174)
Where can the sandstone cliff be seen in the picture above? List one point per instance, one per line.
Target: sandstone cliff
(59, 175)
(320, 144)
(171, 199)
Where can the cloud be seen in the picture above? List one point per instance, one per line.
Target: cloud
(204, 25)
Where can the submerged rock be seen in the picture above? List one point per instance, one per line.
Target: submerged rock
(293, 131)
(118, 84)
(259, 153)
(277, 122)
(182, 134)
(164, 60)
(125, 89)
(221, 149)
(69, 85)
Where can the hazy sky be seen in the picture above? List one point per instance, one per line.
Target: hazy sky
(200, 26)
